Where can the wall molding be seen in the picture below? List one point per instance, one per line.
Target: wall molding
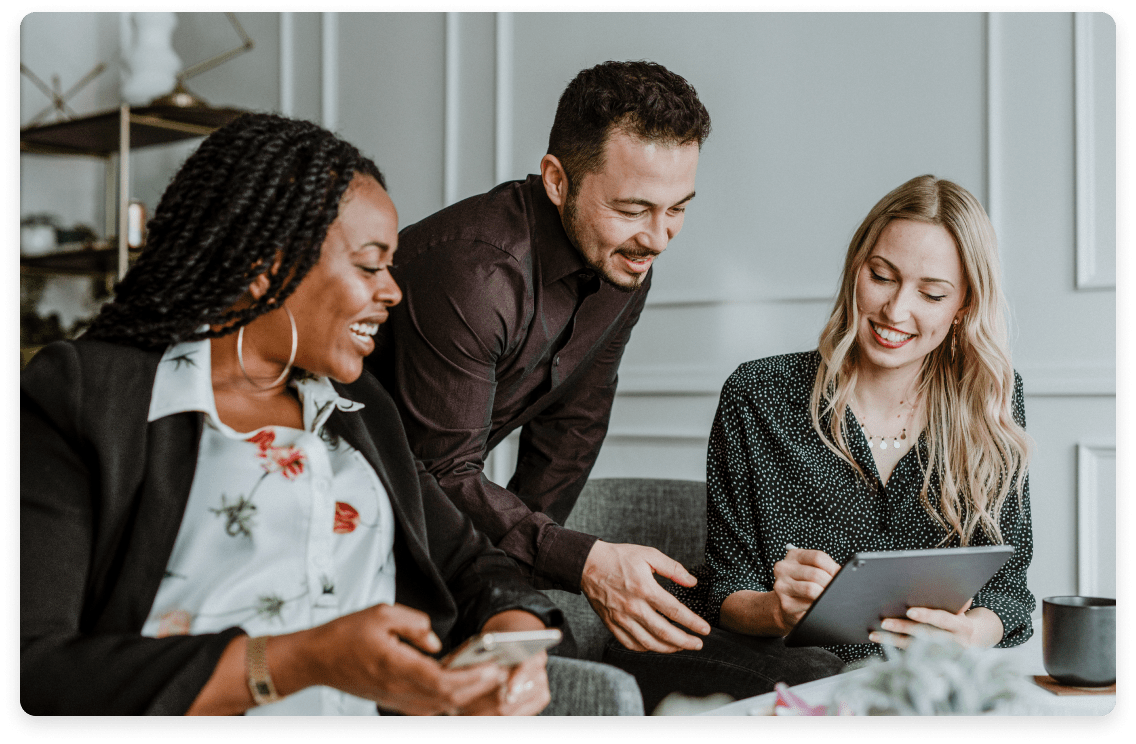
(994, 158)
(287, 64)
(656, 436)
(1059, 381)
(1085, 155)
(452, 110)
(1048, 381)
(329, 70)
(503, 98)
(810, 296)
(1090, 520)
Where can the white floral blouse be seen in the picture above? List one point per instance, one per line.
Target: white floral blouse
(284, 529)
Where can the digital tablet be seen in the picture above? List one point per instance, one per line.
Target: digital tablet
(872, 586)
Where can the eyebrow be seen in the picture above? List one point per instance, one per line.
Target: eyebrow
(651, 204)
(383, 247)
(924, 279)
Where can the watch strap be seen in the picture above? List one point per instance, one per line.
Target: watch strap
(256, 665)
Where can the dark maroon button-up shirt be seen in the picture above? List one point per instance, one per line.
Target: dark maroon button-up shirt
(503, 325)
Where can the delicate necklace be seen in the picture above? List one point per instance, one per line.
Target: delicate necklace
(898, 441)
(895, 439)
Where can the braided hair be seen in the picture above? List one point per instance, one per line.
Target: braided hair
(260, 189)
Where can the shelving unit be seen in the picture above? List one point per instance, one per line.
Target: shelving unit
(111, 135)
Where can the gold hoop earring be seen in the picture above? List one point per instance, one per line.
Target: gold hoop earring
(954, 339)
(287, 367)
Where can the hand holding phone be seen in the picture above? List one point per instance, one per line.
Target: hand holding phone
(506, 649)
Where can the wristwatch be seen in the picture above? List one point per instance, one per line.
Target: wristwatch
(256, 664)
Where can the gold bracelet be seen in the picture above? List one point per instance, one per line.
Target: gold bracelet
(256, 665)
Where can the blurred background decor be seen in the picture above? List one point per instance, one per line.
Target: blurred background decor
(151, 65)
(107, 153)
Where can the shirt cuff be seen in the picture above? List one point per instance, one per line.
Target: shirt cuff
(1017, 626)
(561, 557)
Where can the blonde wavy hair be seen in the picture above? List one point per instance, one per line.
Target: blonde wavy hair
(978, 450)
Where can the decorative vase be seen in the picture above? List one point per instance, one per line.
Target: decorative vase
(151, 65)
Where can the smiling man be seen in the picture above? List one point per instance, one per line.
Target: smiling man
(518, 305)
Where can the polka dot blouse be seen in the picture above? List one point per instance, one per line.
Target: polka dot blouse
(771, 481)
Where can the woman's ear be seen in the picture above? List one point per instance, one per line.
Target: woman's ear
(259, 285)
(555, 180)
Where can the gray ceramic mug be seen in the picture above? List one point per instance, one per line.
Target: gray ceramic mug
(1078, 638)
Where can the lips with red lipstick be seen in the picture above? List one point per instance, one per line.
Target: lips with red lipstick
(888, 337)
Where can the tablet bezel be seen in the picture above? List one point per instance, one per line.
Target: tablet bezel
(871, 586)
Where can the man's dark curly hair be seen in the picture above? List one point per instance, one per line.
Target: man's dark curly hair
(643, 99)
(261, 188)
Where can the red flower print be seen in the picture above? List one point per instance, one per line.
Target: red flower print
(288, 460)
(346, 518)
(174, 622)
(263, 439)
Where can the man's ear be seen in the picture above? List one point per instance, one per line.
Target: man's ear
(555, 180)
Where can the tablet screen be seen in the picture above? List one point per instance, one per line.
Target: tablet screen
(872, 586)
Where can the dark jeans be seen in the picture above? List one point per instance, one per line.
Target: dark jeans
(739, 665)
(567, 646)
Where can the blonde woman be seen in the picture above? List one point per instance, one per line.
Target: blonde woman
(904, 430)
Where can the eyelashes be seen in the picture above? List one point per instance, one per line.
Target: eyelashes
(885, 280)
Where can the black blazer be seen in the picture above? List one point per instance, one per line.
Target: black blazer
(102, 494)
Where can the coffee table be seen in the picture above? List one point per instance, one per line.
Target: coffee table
(1027, 658)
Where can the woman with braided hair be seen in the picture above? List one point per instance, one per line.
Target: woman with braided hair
(219, 509)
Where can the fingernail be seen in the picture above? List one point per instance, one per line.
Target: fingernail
(874, 637)
(887, 625)
(913, 613)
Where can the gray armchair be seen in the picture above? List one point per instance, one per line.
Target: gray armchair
(669, 515)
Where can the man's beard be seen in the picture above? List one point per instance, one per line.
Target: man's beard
(605, 273)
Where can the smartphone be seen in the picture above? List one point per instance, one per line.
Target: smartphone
(507, 649)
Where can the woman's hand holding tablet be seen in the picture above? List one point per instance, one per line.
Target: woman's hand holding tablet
(968, 627)
(798, 580)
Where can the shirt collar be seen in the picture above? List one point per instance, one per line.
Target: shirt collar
(184, 383)
(558, 257)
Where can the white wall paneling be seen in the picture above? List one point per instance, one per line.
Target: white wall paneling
(287, 64)
(994, 119)
(329, 70)
(451, 154)
(1095, 262)
(502, 460)
(503, 98)
(1096, 520)
(1069, 379)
